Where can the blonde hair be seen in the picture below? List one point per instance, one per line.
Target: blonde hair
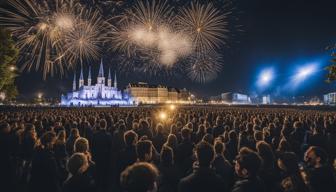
(81, 145)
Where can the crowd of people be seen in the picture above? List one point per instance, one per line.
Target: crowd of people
(190, 149)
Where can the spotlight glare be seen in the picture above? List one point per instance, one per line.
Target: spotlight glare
(305, 72)
(163, 115)
(265, 77)
(172, 107)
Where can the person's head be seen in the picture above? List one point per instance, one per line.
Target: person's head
(167, 156)
(204, 154)
(185, 133)
(61, 137)
(48, 139)
(201, 129)
(130, 138)
(288, 162)
(144, 150)
(258, 136)
(77, 164)
(5, 128)
(248, 163)
(81, 145)
(159, 128)
(139, 177)
(219, 147)
(122, 127)
(284, 145)
(135, 125)
(172, 140)
(232, 136)
(297, 125)
(102, 124)
(316, 156)
(74, 132)
(208, 138)
(265, 150)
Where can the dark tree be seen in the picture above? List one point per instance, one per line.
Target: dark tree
(8, 57)
(331, 76)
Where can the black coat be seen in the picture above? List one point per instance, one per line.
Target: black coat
(202, 180)
(79, 183)
(6, 168)
(322, 179)
(169, 179)
(44, 174)
(184, 153)
(224, 169)
(249, 185)
(102, 156)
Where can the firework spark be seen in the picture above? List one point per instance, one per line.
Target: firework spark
(151, 36)
(206, 24)
(204, 68)
(54, 35)
(84, 41)
(146, 32)
(38, 28)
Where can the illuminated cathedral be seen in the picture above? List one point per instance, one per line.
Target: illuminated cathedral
(99, 94)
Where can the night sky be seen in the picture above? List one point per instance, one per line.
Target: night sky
(280, 34)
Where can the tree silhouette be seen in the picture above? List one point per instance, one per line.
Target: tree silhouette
(8, 57)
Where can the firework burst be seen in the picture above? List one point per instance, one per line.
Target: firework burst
(204, 68)
(37, 28)
(84, 40)
(206, 24)
(53, 36)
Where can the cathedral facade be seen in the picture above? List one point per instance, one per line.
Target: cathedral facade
(99, 94)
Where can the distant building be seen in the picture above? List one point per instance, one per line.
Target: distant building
(232, 98)
(330, 98)
(98, 94)
(154, 94)
(266, 100)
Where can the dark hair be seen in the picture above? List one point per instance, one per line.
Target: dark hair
(74, 132)
(219, 146)
(265, 151)
(185, 133)
(319, 152)
(102, 124)
(129, 137)
(139, 177)
(258, 136)
(205, 153)
(232, 135)
(208, 138)
(142, 148)
(249, 160)
(167, 156)
(4, 126)
(76, 162)
(290, 161)
(122, 127)
(47, 138)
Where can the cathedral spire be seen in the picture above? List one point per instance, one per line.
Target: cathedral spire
(101, 69)
(89, 77)
(109, 79)
(115, 79)
(81, 78)
(74, 83)
(101, 77)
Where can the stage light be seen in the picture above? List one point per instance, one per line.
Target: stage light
(306, 71)
(172, 107)
(163, 115)
(265, 77)
(39, 95)
(12, 68)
